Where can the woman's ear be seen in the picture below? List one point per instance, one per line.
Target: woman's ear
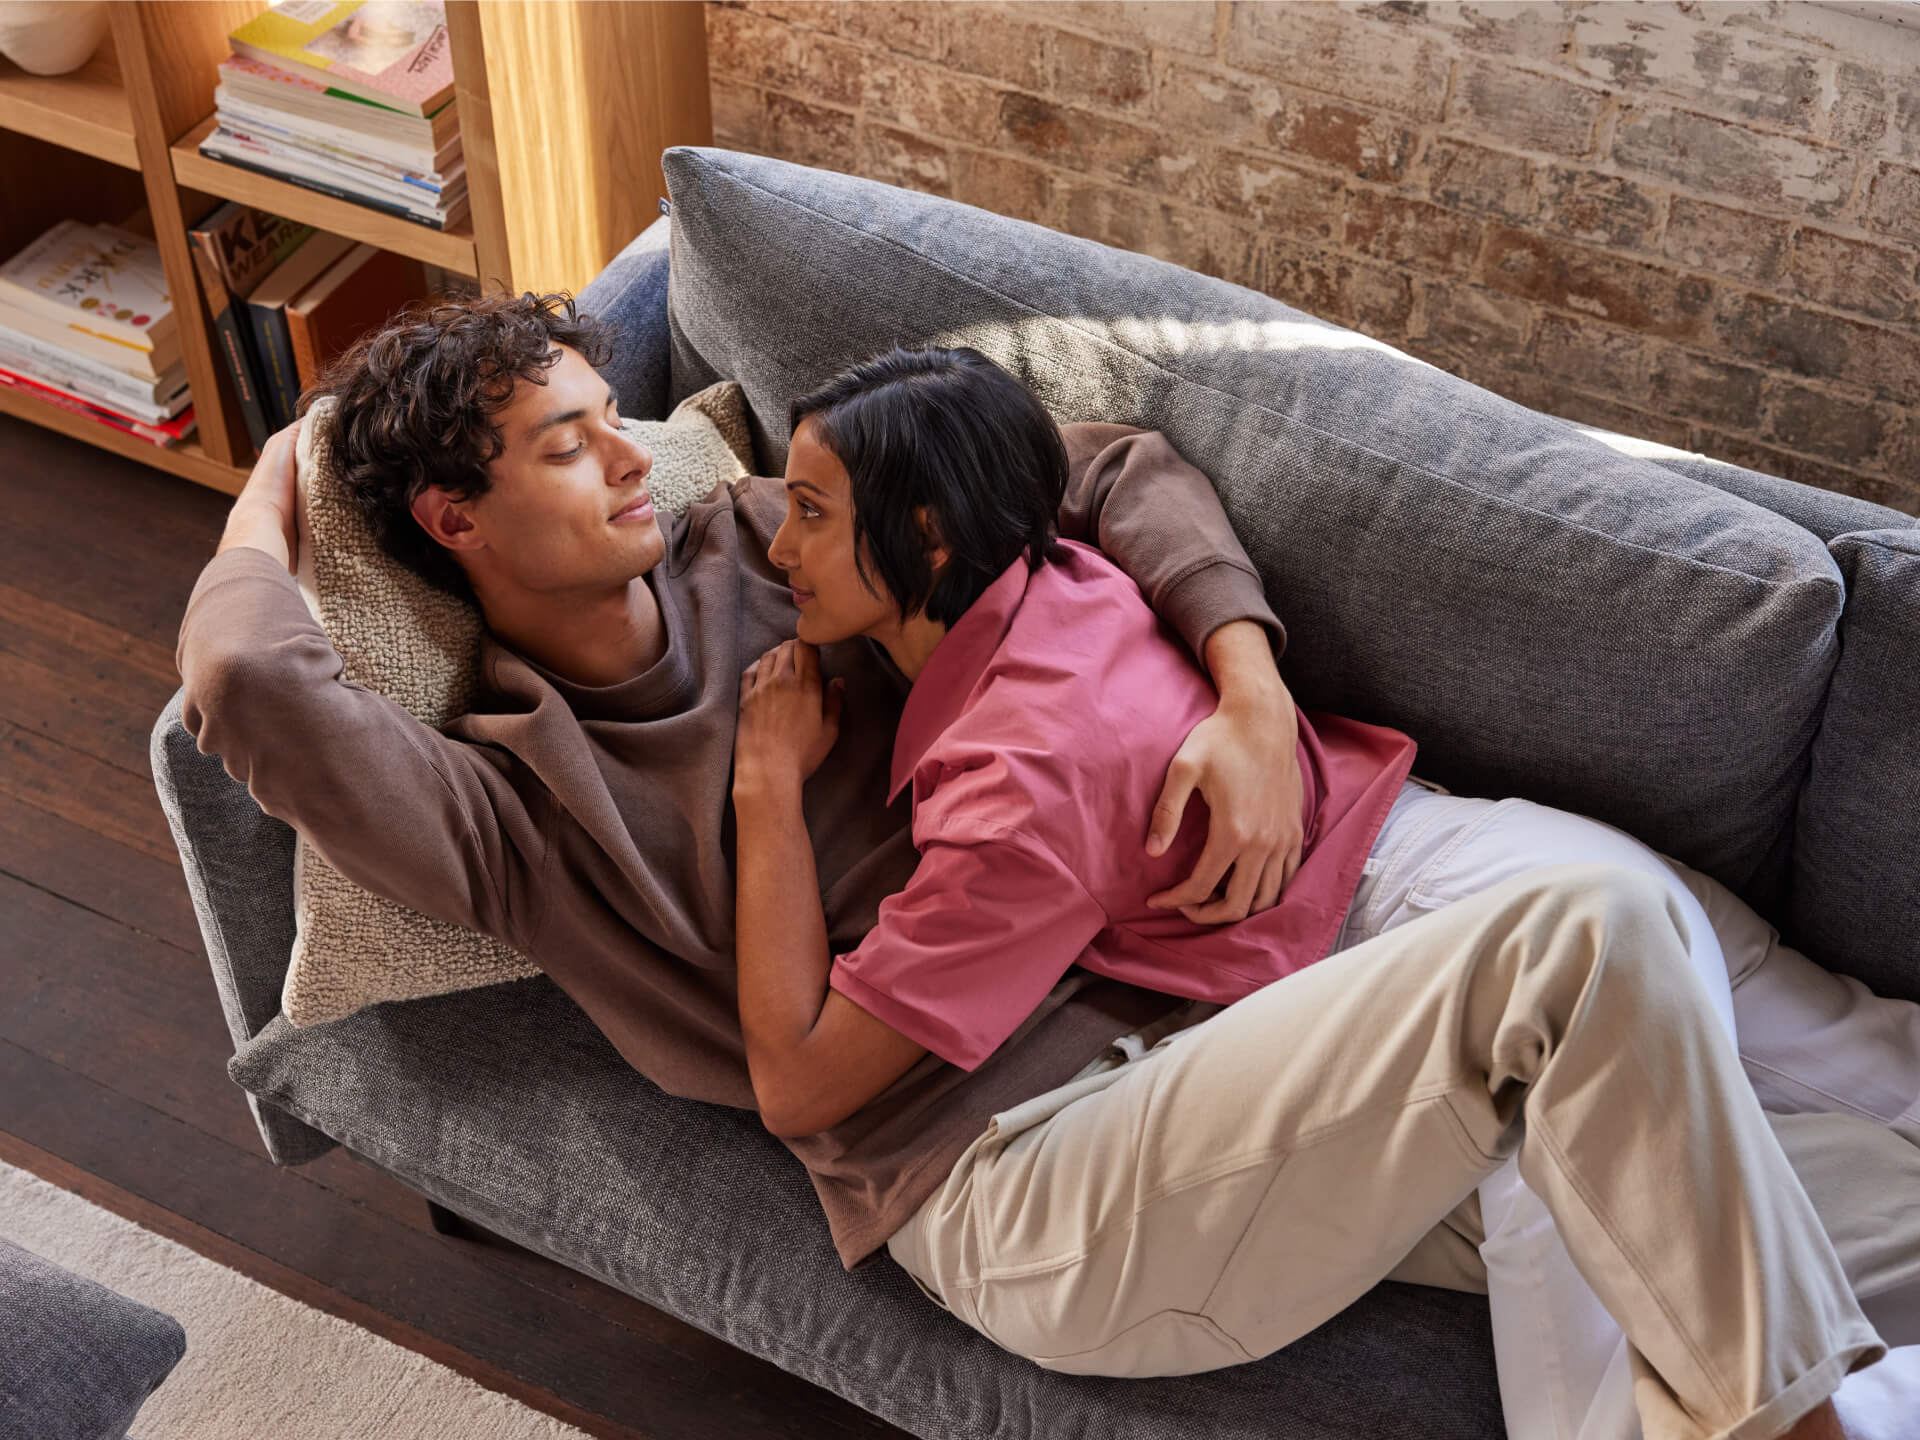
(931, 540)
(445, 519)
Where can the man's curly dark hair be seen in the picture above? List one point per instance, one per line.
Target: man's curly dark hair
(414, 404)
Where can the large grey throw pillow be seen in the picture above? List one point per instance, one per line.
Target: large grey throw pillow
(1545, 615)
(1856, 860)
(420, 647)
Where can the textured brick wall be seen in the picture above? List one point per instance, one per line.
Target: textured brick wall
(1697, 223)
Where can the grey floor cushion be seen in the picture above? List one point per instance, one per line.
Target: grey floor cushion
(77, 1360)
(509, 1107)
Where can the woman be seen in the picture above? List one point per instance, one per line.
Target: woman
(918, 502)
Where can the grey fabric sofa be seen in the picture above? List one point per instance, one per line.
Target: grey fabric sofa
(77, 1360)
(1721, 662)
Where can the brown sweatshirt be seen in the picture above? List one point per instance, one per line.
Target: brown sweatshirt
(592, 829)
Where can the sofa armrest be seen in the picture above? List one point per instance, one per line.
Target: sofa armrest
(239, 866)
(631, 296)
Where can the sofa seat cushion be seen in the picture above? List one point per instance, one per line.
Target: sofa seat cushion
(77, 1360)
(507, 1106)
(1856, 861)
(1545, 615)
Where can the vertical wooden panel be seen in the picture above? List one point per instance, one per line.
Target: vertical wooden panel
(473, 99)
(155, 99)
(584, 97)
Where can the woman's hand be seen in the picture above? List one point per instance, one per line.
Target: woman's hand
(788, 721)
(265, 514)
(1244, 759)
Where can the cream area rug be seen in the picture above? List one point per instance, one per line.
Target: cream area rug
(258, 1364)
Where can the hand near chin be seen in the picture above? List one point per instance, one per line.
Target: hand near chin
(789, 721)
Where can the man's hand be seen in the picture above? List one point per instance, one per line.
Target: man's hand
(264, 516)
(788, 721)
(1244, 759)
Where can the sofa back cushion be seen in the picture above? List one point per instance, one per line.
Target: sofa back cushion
(1546, 616)
(1856, 862)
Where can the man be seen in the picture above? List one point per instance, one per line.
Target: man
(581, 812)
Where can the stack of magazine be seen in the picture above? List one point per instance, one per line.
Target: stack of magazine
(86, 324)
(354, 100)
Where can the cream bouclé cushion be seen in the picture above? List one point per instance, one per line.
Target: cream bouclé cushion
(420, 647)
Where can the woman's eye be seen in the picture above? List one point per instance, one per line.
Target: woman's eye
(808, 512)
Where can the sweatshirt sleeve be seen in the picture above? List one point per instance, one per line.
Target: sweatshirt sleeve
(394, 805)
(1158, 518)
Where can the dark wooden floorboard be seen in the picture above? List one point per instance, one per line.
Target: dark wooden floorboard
(113, 1050)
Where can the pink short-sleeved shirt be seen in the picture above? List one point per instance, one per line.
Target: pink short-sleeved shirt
(1037, 739)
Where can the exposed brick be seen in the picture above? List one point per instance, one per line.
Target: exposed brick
(1906, 123)
(1465, 319)
(1380, 301)
(1683, 51)
(1274, 196)
(1770, 170)
(1597, 357)
(1411, 232)
(1193, 238)
(1487, 182)
(1081, 140)
(1599, 209)
(1002, 184)
(999, 46)
(910, 29)
(1903, 452)
(899, 157)
(1744, 450)
(1893, 204)
(812, 14)
(1781, 336)
(1699, 389)
(809, 134)
(1826, 425)
(1536, 112)
(1859, 108)
(1852, 275)
(1095, 72)
(1729, 242)
(1340, 52)
(1536, 31)
(1369, 145)
(778, 56)
(1335, 287)
(1555, 272)
(928, 99)
(1163, 24)
(739, 115)
(1227, 109)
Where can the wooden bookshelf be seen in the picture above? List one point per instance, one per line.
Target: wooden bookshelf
(565, 107)
(451, 249)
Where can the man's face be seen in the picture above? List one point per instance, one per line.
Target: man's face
(815, 546)
(569, 507)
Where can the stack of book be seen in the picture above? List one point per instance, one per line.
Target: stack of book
(286, 299)
(86, 324)
(354, 100)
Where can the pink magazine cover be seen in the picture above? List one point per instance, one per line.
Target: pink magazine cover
(247, 65)
(394, 52)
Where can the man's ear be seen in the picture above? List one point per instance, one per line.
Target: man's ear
(936, 546)
(445, 519)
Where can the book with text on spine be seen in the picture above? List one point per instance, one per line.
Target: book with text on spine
(98, 281)
(166, 435)
(234, 248)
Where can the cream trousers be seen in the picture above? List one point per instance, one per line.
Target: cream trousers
(1249, 1177)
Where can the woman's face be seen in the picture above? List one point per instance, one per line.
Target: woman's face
(815, 546)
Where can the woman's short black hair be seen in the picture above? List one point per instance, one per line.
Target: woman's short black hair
(950, 433)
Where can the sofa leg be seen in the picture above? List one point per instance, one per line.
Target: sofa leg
(447, 1223)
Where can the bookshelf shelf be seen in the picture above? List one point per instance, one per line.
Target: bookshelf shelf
(85, 111)
(451, 249)
(187, 460)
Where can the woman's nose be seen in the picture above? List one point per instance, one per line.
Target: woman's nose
(777, 547)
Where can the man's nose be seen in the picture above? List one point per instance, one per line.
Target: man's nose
(642, 461)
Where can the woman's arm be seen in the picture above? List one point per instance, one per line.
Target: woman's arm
(814, 1056)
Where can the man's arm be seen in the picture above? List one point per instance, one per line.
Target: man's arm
(394, 805)
(1158, 518)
